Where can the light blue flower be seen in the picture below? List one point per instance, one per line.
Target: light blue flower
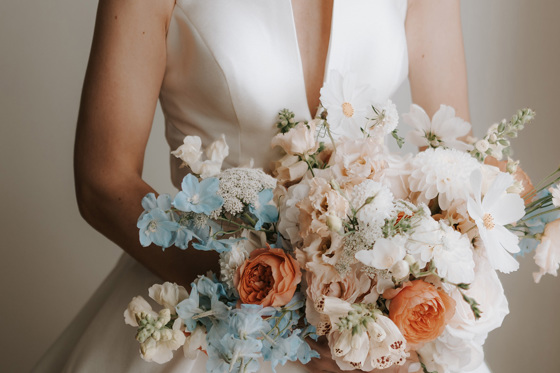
(198, 197)
(283, 350)
(226, 353)
(188, 308)
(156, 227)
(163, 201)
(248, 322)
(305, 353)
(220, 245)
(264, 211)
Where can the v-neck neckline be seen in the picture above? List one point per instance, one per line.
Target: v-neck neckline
(299, 58)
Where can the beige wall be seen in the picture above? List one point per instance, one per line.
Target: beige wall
(52, 261)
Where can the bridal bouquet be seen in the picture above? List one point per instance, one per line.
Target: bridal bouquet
(392, 257)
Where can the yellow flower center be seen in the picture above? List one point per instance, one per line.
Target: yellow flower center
(347, 109)
(488, 221)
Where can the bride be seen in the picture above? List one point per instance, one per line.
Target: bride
(223, 67)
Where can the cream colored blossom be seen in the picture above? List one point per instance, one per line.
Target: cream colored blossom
(300, 140)
(547, 255)
(168, 295)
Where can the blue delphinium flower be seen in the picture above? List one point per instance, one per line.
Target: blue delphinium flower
(155, 226)
(305, 353)
(198, 197)
(264, 211)
(227, 353)
(188, 308)
(283, 350)
(248, 322)
(150, 202)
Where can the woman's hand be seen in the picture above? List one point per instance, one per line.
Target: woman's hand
(325, 364)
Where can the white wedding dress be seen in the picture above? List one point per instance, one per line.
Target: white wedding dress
(231, 66)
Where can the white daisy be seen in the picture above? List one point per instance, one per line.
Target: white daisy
(498, 208)
(347, 104)
(444, 129)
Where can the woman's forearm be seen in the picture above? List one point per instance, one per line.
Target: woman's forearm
(112, 208)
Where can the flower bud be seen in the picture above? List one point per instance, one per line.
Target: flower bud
(512, 166)
(482, 146)
(334, 223)
(400, 269)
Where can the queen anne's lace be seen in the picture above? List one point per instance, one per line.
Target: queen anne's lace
(240, 187)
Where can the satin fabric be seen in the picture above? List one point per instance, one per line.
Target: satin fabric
(231, 66)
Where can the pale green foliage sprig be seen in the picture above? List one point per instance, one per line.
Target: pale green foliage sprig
(496, 143)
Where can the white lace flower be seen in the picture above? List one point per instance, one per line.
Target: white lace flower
(453, 258)
(444, 129)
(347, 104)
(373, 200)
(498, 208)
(547, 255)
(555, 191)
(240, 187)
(442, 173)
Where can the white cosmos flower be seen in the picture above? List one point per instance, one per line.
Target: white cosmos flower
(347, 103)
(555, 191)
(442, 173)
(491, 214)
(444, 129)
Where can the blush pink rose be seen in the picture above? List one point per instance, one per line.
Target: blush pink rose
(269, 278)
(420, 311)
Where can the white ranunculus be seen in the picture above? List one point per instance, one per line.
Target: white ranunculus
(385, 253)
(168, 295)
(444, 129)
(137, 306)
(491, 213)
(453, 259)
(547, 255)
(422, 240)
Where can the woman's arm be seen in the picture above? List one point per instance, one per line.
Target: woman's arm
(437, 69)
(119, 97)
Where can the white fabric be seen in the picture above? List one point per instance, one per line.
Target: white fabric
(231, 66)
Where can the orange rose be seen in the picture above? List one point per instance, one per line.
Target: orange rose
(420, 311)
(269, 278)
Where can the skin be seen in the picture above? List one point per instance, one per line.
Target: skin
(121, 88)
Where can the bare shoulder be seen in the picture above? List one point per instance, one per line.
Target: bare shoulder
(147, 12)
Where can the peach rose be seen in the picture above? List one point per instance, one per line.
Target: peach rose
(269, 278)
(420, 311)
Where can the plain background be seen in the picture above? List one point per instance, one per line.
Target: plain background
(52, 261)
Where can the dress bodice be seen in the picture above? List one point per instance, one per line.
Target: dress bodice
(232, 65)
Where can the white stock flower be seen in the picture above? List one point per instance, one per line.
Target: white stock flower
(491, 214)
(444, 129)
(218, 150)
(190, 153)
(453, 258)
(136, 308)
(168, 295)
(547, 254)
(555, 191)
(444, 173)
(373, 200)
(386, 252)
(347, 103)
